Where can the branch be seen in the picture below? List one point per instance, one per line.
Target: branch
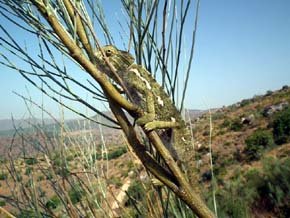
(77, 54)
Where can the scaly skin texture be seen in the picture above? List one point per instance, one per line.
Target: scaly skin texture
(160, 113)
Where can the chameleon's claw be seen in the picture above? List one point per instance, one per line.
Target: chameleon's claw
(145, 119)
(157, 182)
(150, 126)
(140, 121)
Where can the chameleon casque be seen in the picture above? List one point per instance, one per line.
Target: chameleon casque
(160, 112)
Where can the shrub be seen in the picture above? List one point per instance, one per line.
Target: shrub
(256, 143)
(238, 155)
(75, 194)
(2, 203)
(281, 127)
(57, 160)
(285, 87)
(130, 164)
(218, 116)
(27, 214)
(245, 102)
(40, 178)
(117, 153)
(271, 186)
(48, 176)
(221, 132)
(18, 177)
(236, 125)
(70, 158)
(111, 155)
(29, 183)
(96, 156)
(269, 93)
(31, 161)
(206, 133)
(226, 144)
(231, 205)
(28, 171)
(116, 181)
(41, 192)
(53, 202)
(2, 160)
(226, 123)
(206, 176)
(3, 176)
(62, 171)
(136, 193)
(265, 189)
(230, 199)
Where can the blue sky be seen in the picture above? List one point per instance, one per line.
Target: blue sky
(242, 49)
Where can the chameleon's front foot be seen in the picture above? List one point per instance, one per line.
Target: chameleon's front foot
(145, 119)
(150, 126)
(160, 125)
(157, 183)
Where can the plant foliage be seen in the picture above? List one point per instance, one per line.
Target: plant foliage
(257, 143)
(281, 127)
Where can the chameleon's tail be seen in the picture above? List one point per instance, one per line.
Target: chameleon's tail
(179, 144)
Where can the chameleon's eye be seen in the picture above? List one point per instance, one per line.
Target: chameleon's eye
(108, 52)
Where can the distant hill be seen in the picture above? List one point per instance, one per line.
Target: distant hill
(7, 126)
(194, 113)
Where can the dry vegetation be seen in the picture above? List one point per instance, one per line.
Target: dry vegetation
(244, 141)
(93, 173)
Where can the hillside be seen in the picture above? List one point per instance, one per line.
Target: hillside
(232, 125)
(72, 127)
(251, 165)
(250, 158)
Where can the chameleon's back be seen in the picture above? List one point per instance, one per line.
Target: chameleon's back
(178, 140)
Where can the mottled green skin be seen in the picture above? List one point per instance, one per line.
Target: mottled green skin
(160, 112)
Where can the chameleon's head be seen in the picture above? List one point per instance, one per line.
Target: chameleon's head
(121, 60)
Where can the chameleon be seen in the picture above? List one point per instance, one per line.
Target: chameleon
(160, 112)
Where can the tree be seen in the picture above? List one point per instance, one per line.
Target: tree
(68, 27)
